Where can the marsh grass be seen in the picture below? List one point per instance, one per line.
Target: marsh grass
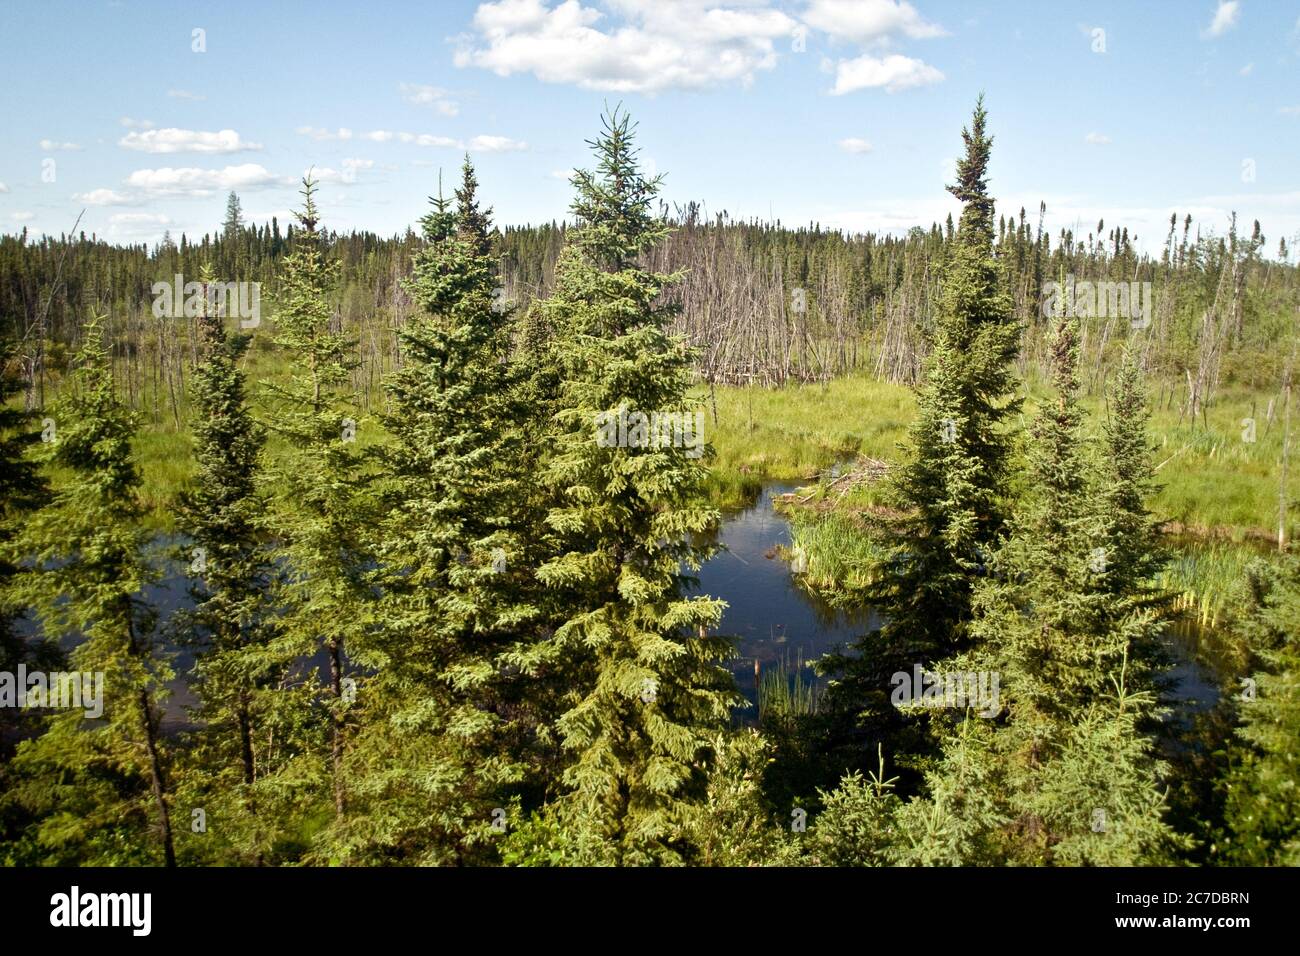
(785, 692)
(1206, 577)
(841, 554)
(1209, 478)
(793, 432)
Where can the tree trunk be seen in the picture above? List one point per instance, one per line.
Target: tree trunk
(156, 777)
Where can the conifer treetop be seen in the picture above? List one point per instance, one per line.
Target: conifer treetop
(972, 179)
(613, 201)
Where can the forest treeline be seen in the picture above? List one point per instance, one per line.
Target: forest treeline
(761, 303)
(475, 638)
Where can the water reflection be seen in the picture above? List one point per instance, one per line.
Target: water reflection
(776, 621)
(773, 620)
(771, 617)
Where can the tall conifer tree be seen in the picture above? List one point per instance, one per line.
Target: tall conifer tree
(651, 691)
(448, 729)
(89, 570)
(950, 495)
(230, 623)
(322, 518)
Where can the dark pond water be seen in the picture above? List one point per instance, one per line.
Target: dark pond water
(773, 619)
(775, 622)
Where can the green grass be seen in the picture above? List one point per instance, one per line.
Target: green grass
(1220, 489)
(840, 555)
(1209, 478)
(1206, 576)
(795, 431)
(784, 691)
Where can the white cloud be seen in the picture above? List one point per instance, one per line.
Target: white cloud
(1097, 139)
(345, 177)
(1289, 110)
(3, 188)
(658, 45)
(1246, 70)
(185, 95)
(1225, 18)
(869, 21)
(132, 217)
(138, 225)
(422, 95)
(23, 216)
(50, 145)
(189, 181)
(481, 143)
(172, 140)
(894, 72)
(495, 144)
(136, 123)
(565, 174)
(855, 145)
(426, 139)
(107, 197)
(342, 133)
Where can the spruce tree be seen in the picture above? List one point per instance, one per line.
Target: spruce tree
(88, 570)
(222, 514)
(952, 491)
(321, 516)
(1263, 786)
(448, 729)
(1066, 774)
(232, 230)
(1051, 563)
(650, 691)
(949, 497)
(234, 218)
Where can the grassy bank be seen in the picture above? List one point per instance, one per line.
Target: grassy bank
(1212, 481)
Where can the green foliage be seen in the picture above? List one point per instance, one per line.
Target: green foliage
(1263, 787)
(855, 826)
(1070, 637)
(952, 491)
(86, 572)
(321, 513)
(650, 692)
(448, 725)
(736, 824)
(231, 622)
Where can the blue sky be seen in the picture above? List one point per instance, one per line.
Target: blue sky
(847, 112)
